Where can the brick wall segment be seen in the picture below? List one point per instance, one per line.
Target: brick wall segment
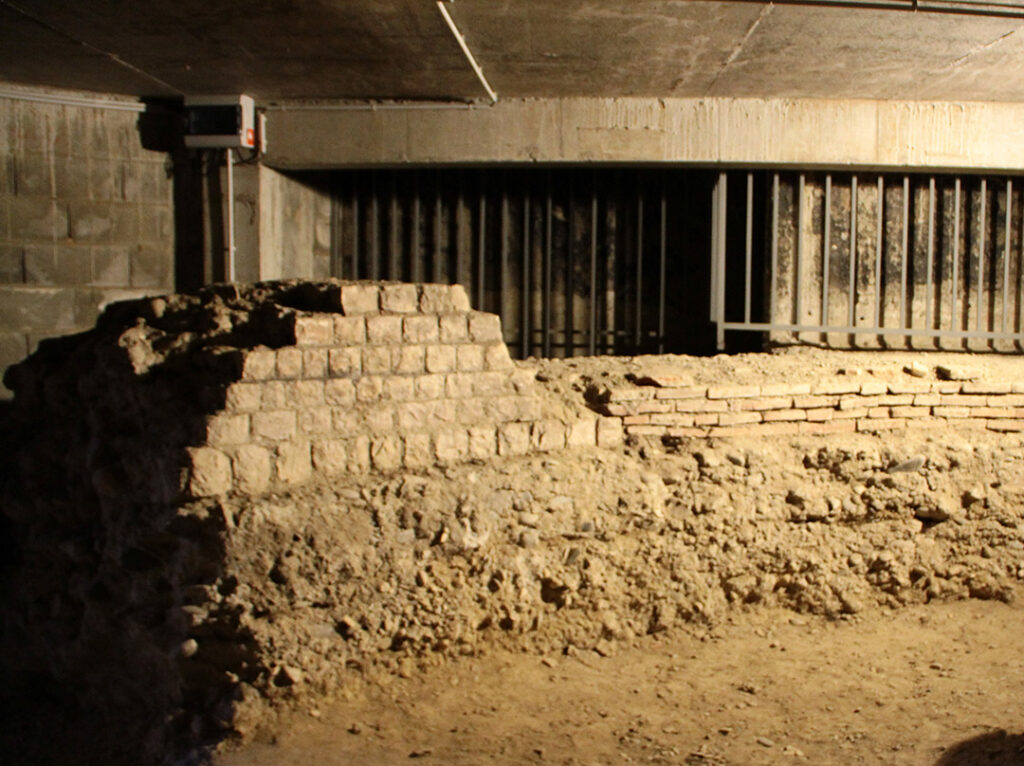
(926, 400)
(293, 463)
(492, 383)
(927, 423)
(384, 329)
(339, 392)
(910, 387)
(763, 429)
(815, 402)
(850, 414)
(398, 388)
(377, 360)
(386, 453)
(993, 412)
(274, 395)
(785, 389)
(881, 424)
(379, 421)
(1017, 388)
(421, 329)
(774, 416)
(873, 388)
(458, 385)
(314, 363)
(345, 361)
(259, 363)
(609, 432)
(985, 387)
(225, 429)
(243, 397)
(313, 329)
(514, 438)
(451, 446)
(305, 393)
(910, 412)
(210, 472)
(945, 387)
(483, 441)
(369, 389)
(359, 299)
(964, 400)
(1006, 426)
(582, 433)
(252, 469)
(315, 421)
(484, 328)
(410, 359)
(702, 405)
(739, 418)
(400, 298)
(454, 328)
(679, 432)
(440, 358)
(1005, 400)
(831, 427)
(821, 415)
(349, 330)
(469, 357)
(951, 412)
(672, 419)
(879, 412)
(763, 403)
(733, 392)
(636, 420)
(645, 430)
(358, 449)
(496, 357)
(288, 362)
(652, 406)
(274, 425)
(428, 387)
(682, 392)
(615, 410)
(472, 411)
(330, 457)
(705, 419)
(835, 388)
(417, 451)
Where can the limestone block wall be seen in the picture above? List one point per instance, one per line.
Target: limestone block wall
(673, 411)
(397, 376)
(86, 217)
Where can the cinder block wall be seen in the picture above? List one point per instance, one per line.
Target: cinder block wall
(85, 218)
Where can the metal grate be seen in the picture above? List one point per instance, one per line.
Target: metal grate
(851, 256)
(574, 260)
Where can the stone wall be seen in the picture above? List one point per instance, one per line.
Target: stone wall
(669, 410)
(86, 217)
(398, 376)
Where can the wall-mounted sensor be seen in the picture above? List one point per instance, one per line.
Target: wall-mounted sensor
(220, 121)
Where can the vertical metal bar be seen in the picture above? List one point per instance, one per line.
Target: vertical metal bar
(503, 274)
(852, 283)
(337, 267)
(524, 319)
(638, 319)
(460, 234)
(904, 312)
(374, 265)
(394, 265)
(722, 189)
(416, 264)
(355, 229)
(826, 248)
(592, 335)
(953, 324)
(546, 278)
(569, 326)
(879, 229)
(1006, 252)
(438, 228)
(481, 245)
(931, 254)
(749, 247)
(981, 251)
(661, 270)
(798, 263)
(1020, 272)
(775, 248)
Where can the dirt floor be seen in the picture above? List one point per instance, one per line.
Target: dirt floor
(936, 684)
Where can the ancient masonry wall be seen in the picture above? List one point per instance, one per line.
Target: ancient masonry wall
(405, 376)
(782, 409)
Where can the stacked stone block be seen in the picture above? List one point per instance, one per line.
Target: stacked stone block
(397, 376)
(780, 409)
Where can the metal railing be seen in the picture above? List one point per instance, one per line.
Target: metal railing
(967, 7)
(903, 255)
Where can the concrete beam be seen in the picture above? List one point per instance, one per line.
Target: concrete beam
(711, 131)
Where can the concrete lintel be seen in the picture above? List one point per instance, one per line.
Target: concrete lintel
(710, 131)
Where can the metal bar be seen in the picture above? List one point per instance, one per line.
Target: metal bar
(879, 229)
(956, 252)
(355, 230)
(546, 278)
(460, 234)
(481, 245)
(749, 246)
(798, 263)
(904, 313)
(826, 247)
(374, 265)
(570, 255)
(1020, 271)
(852, 284)
(461, 40)
(981, 251)
(417, 262)
(524, 319)
(638, 319)
(1006, 252)
(592, 336)
(394, 265)
(438, 228)
(661, 271)
(905, 331)
(230, 160)
(503, 274)
(775, 246)
(723, 196)
(337, 231)
(931, 254)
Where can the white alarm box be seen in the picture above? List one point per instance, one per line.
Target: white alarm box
(220, 121)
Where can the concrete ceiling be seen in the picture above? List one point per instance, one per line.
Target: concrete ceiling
(279, 50)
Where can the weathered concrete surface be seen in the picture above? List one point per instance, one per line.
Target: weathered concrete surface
(86, 217)
(742, 131)
(369, 49)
